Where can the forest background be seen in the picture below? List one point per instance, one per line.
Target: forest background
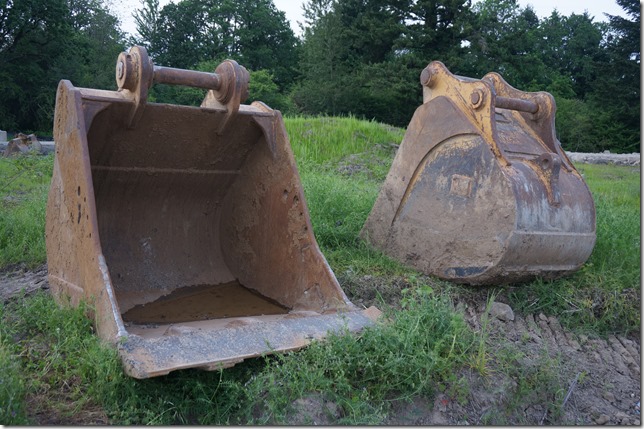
(354, 57)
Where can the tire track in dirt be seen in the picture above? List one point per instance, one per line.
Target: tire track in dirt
(609, 369)
(18, 279)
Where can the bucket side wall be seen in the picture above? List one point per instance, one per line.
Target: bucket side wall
(76, 267)
(267, 234)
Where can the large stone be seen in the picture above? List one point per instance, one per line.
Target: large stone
(609, 397)
(602, 419)
(502, 311)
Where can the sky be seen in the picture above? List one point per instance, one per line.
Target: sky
(293, 9)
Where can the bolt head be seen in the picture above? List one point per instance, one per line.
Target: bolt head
(426, 76)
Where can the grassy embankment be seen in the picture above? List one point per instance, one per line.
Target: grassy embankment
(53, 365)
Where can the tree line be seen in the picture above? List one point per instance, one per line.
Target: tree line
(358, 57)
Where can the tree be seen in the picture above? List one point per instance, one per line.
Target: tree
(147, 21)
(97, 40)
(181, 41)
(616, 95)
(31, 33)
(42, 42)
(505, 39)
(323, 62)
(263, 88)
(355, 61)
(437, 30)
(186, 33)
(264, 40)
(571, 47)
(370, 29)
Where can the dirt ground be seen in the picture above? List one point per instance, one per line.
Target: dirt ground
(585, 381)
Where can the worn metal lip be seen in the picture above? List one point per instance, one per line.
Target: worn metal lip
(213, 349)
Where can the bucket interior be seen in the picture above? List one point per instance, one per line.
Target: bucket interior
(163, 194)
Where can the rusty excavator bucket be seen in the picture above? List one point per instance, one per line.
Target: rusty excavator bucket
(480, 190)
(185, 228)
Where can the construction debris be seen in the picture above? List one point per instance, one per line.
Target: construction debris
(22, 143)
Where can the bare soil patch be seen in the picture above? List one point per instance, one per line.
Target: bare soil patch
(18, 278)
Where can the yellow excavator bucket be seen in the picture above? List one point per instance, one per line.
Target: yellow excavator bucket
(480, 190)
(185, 228)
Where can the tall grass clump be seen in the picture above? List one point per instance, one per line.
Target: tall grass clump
(410, 353)
(68, 369)
(12, 386)
(56, 360)
(23, 197)
(342, 164)
(339, 206)
(617, 195)
(64, 363)
(320, 140)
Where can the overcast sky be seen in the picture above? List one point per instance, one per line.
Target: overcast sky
(293, 9)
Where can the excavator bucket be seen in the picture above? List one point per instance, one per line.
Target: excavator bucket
(480, 190)
(184, 227)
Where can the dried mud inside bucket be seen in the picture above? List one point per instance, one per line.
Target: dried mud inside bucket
(204, 302)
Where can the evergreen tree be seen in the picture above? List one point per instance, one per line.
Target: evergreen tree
(615, 97)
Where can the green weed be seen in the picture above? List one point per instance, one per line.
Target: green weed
(68, 369)
(339, 207)
(481, 358)
(410, 355)
(12, 387)
(534, 380)
(23, 197)
(59, 354)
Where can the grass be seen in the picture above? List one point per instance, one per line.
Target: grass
(394, 361)
(323, 140)
(68, 369)
(528, 380)
(23, 196)
(54, 365)
(12, 386)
